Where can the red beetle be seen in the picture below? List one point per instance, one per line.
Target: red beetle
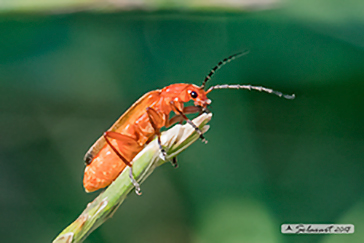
(115, 150)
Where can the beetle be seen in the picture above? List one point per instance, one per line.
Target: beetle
(139, 125)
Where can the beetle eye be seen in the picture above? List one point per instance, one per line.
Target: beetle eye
(193, 94)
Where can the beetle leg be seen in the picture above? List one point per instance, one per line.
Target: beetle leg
(163, 154)
(174, 162)
(177, 110)
(120, 137)
(135, 183)
(174, 119)
(180, 118)
(154, 119)
(193, 109)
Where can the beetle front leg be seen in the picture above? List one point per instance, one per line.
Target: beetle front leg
(186, 110)
(184, 117)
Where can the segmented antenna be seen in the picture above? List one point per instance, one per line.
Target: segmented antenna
(220, 64)
(250, 87)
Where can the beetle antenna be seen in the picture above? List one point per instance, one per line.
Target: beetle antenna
(250, 87)
(220, 64)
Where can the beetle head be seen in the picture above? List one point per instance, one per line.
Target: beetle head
(187, 92)
(198, 95)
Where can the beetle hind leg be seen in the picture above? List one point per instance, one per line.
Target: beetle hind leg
(122, 141)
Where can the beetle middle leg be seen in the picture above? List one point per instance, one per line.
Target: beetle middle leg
(155, 120)
(182, 116)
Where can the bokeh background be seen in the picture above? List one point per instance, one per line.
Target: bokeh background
(68, 71)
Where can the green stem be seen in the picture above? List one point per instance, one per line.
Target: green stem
(174, 140)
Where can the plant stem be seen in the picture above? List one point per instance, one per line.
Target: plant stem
(174, 140)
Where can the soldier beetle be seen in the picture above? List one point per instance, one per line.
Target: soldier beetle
(115, 150)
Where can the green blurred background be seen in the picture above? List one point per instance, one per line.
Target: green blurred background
(67, 75)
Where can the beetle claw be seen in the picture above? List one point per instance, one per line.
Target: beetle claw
(203, 139)
(174, 162)
(138, 191)
(163, 155)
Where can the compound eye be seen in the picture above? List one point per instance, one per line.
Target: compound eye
(193, 94)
